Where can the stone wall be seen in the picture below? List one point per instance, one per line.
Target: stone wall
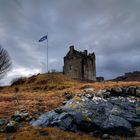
(72, 68)
(80, 65)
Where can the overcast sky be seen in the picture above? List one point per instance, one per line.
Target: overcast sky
(110, 28)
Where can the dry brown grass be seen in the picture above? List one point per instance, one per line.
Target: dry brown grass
(45, 99)
(32, 133)
(110, 84)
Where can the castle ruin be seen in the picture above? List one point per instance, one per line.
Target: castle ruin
(80, 65)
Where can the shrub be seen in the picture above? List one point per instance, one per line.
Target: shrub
(18, 81)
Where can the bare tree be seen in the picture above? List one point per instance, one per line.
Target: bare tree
(5, 62)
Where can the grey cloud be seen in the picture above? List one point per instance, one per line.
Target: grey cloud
(111, 28)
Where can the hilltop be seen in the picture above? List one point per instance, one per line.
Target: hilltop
(59, 81)
(50, 81)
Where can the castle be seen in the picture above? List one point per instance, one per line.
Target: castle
(80, 65)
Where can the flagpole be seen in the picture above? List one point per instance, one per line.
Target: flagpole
(47, 55)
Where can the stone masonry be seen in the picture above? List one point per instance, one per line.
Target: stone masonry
(80, 65)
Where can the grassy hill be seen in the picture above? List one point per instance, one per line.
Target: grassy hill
(44, 82)
(44, 92)
(58, 81)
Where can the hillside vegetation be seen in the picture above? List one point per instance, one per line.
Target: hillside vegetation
(58, 81)
(42, 93)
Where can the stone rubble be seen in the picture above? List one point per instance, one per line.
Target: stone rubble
(12, 125)
(110, 111)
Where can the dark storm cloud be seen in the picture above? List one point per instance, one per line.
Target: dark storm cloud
(111, 28)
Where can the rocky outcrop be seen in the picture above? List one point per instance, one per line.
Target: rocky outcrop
(114, 111)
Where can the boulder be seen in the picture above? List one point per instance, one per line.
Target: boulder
(2, 122)
(138, 92)
(21, 116)
(116, 91)
(115, 124)
(101, 92)
(88, 89)
(89, 96)
(132, 90)
(11, 127)
(69, 95)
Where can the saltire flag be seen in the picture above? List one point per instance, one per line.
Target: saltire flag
(43, 38)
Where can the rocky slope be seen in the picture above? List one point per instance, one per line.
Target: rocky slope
(114, 111)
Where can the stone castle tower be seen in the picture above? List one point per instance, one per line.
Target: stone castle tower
(80, 65)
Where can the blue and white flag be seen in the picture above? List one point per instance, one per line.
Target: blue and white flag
(43, 38)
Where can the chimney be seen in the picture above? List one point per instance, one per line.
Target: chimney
(85, 52)
(71, 48)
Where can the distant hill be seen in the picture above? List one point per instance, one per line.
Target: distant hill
(130, 76)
